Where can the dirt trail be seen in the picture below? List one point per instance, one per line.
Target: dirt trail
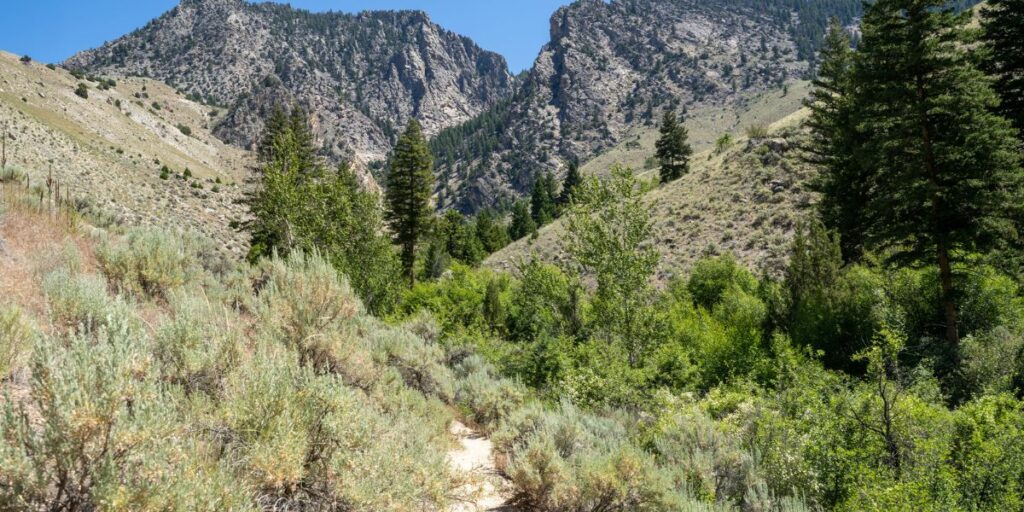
(484, 488)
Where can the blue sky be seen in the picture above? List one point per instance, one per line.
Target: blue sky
(52, 30)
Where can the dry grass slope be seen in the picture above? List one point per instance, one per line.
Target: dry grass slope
(106, 148)
(745, 200)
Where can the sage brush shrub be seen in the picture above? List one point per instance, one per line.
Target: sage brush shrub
(299, 437)
(95, 432)
(303, 302)
(198, 344)
(147, 262)
(15, 335)
(484, 397)
(564, 459)
(80, 301)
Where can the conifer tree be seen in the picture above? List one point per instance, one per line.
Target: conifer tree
(410, 184)
(301, 205)
(845, 182)
(522, 224)
(1003, 22)
(542, 201)
(672, 149)
(573, 178)
(948, 180)
(493, 235)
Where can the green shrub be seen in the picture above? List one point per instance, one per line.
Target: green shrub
(711, 277)
(82, 91)
(15, 334)
(185, 130)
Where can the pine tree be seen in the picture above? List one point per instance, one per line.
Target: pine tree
(522, 224)
(948, 179)
(672, 148)
(1003, 22)
(845, 182)
(542, 201)
(573, 178)
(410, 184)
(274, 127)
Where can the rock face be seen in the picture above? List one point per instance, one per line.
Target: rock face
(610, 66)
(362, 77)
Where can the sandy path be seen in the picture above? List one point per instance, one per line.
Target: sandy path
(484, 488)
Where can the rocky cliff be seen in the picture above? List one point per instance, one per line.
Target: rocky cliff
(613, 65)
(360, 76)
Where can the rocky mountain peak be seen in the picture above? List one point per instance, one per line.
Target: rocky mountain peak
(360, 76)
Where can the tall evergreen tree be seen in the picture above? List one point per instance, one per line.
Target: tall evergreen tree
(542, 200)
(522, 224)
(1003, 22)
(410, 184)
(673, 149)
(573, 178)
(948, 181)
(835, 145)
(492, 233)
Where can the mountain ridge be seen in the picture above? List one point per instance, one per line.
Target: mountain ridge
(360, 76)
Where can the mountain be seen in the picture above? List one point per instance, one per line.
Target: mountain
(361, 76)
(612, 66)
(107, 151)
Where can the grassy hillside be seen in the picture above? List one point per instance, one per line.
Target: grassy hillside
(705, 124)
(745, 200)
(110, 148)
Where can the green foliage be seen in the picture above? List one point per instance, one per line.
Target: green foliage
(302, 206)
(711, 278)
(410, 185)
(460, 238)
(833, 309)
(835, 144)
(724, 142)
(490, 231)
(944, 192)
(606, 230)
(573, 178)
(82, 91)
